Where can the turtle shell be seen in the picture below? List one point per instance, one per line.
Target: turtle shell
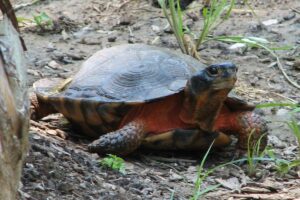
(132, 73)
(112, 81)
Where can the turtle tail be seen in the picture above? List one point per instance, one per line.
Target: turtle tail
(39, 108)
(44, 88)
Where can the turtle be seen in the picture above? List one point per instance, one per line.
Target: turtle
(133, 95)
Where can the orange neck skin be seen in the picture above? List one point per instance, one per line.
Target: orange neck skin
(227, 121)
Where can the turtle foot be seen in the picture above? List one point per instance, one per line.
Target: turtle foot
(119, 142)
(253, 131)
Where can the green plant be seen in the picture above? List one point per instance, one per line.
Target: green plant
(292, 123)
(201, 177)
(282, 166)
(114, 162)
(212, 18)
(294, 126)
(175, 21)
(218, 11)
(253, 152)
(258, 43)
(43, 21)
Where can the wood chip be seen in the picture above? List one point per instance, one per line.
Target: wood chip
(264, 196)
(255, 190)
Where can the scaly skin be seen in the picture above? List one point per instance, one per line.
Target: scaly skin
(120, 142)
(251, 125)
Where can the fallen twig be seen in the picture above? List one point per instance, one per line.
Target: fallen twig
(172, 160)
(295, 10)
(284, 74)
(23, 5)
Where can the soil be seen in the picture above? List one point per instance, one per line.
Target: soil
(58, 165)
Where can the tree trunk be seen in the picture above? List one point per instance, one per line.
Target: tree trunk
(14, 109)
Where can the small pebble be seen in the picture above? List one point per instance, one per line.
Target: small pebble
(53, 64)
(111, 38)
(270, 22)
(155, 28)
(296, 65)
(175, 177)
(289, 16)
(125, 20)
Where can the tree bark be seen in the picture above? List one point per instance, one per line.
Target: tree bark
(14, 110)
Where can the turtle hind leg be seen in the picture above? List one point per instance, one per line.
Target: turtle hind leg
(39, 108)
(120, 142)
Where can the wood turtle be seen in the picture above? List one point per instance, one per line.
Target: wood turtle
(131, 95)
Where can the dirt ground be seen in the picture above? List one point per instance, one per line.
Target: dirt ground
(58, 165)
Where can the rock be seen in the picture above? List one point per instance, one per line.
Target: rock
(83, 32)
(238, 48)
(155, 29)
(38, 187)
(270, 22)
(51, 132)
(65, 187)
(175, 177)
(90, 41)
(125, 20)
(83, 185)
(254, 81)
(168, 29)
(193, 16)
(65, 35)
(231, 183)
(109, 186)
(131, 40)
(53, 64)
(189, 23)
(50, 47)
(296, 64)
(276, 142)
(265, 60)
(289, 16)
(34, 72)
(288, 63)
(111, 38)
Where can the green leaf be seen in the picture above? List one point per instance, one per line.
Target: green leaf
(276, 104)
(114, 162)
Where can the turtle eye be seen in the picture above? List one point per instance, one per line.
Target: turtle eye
(213, 71)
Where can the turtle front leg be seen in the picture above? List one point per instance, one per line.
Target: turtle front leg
(250, 124)
(186, 139)
(122, 141)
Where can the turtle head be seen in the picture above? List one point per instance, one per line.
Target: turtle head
(215, 77)
(207, 90)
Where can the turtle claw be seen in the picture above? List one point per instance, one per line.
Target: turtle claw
(119, 142)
